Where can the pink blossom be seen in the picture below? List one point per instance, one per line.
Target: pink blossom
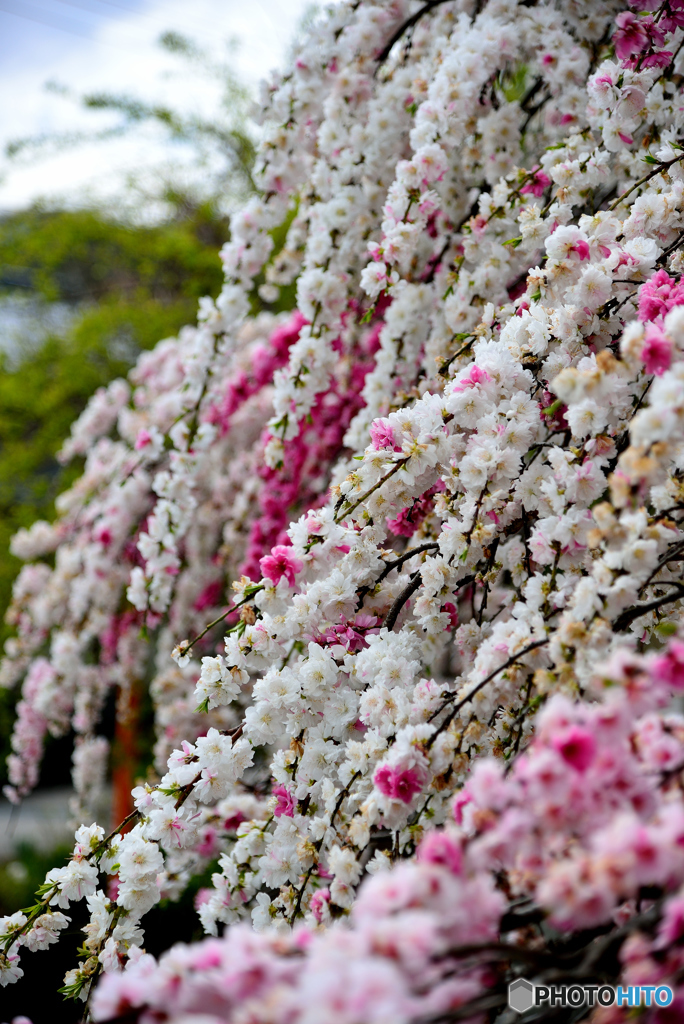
(142, 440)
(352, 635)
(441, 848)
(581, 248)
(576, 745)
(281, 562)
(398, 784)
(671, 927)
(285, 803)
(382, 435)
(539, 181)
(475, 377)
(319, 900)
(208, 845)
(659, 295)
(656, 353)
(202, 896)
(669, 668)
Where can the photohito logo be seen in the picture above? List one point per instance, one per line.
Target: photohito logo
(523, 995)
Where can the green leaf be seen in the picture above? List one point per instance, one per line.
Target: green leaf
(553, 408)
(515, 242)
(203, 707)
(666, 628)
(648, 159)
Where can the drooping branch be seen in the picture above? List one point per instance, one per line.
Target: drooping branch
(405, 26)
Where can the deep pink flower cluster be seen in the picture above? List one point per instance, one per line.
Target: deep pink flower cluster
(412, 517)
(296, 484)
(659, 295)
(639, 36)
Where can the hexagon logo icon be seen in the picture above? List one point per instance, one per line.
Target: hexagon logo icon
(521, 995)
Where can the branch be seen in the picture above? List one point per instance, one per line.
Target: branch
(662, 166)
(675, 245)
(669, 556)
(628, 616)
(464, 348)
(221, 617)
(319, 844)
(348, 511)
(476, 689)
(409, 23)
(405, 557)
(407, 592)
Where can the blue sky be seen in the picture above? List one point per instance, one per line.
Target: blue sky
(111, 45)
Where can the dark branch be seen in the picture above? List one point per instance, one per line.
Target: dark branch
(408, 24)
(628, 616)
(407, 592)
(476, 689)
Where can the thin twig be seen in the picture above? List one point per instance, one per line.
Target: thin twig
(662, 166)
(476, 689)
(628, 616)
(348, 511)
(405, 26)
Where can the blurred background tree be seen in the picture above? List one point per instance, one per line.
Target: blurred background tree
(84, 290)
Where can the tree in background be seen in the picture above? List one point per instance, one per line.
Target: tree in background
(125, 273)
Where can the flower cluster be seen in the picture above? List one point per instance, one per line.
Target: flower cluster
(588, 823)
(445, 489)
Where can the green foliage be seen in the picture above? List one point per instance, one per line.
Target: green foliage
(136, 285)
(129, 286)
(21, 878)
(84, 255)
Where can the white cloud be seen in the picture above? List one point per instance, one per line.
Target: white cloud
(117, 52)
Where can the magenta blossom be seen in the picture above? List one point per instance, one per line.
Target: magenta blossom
(576, 745)
(631, 36)
(281, 562)
(656, 353)
(537, 184)
(411, 517)
(441, 848)
(475, 377)
(382, 435)
(669, 668)
(285, 803)
(452, 611)
(398, 784)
